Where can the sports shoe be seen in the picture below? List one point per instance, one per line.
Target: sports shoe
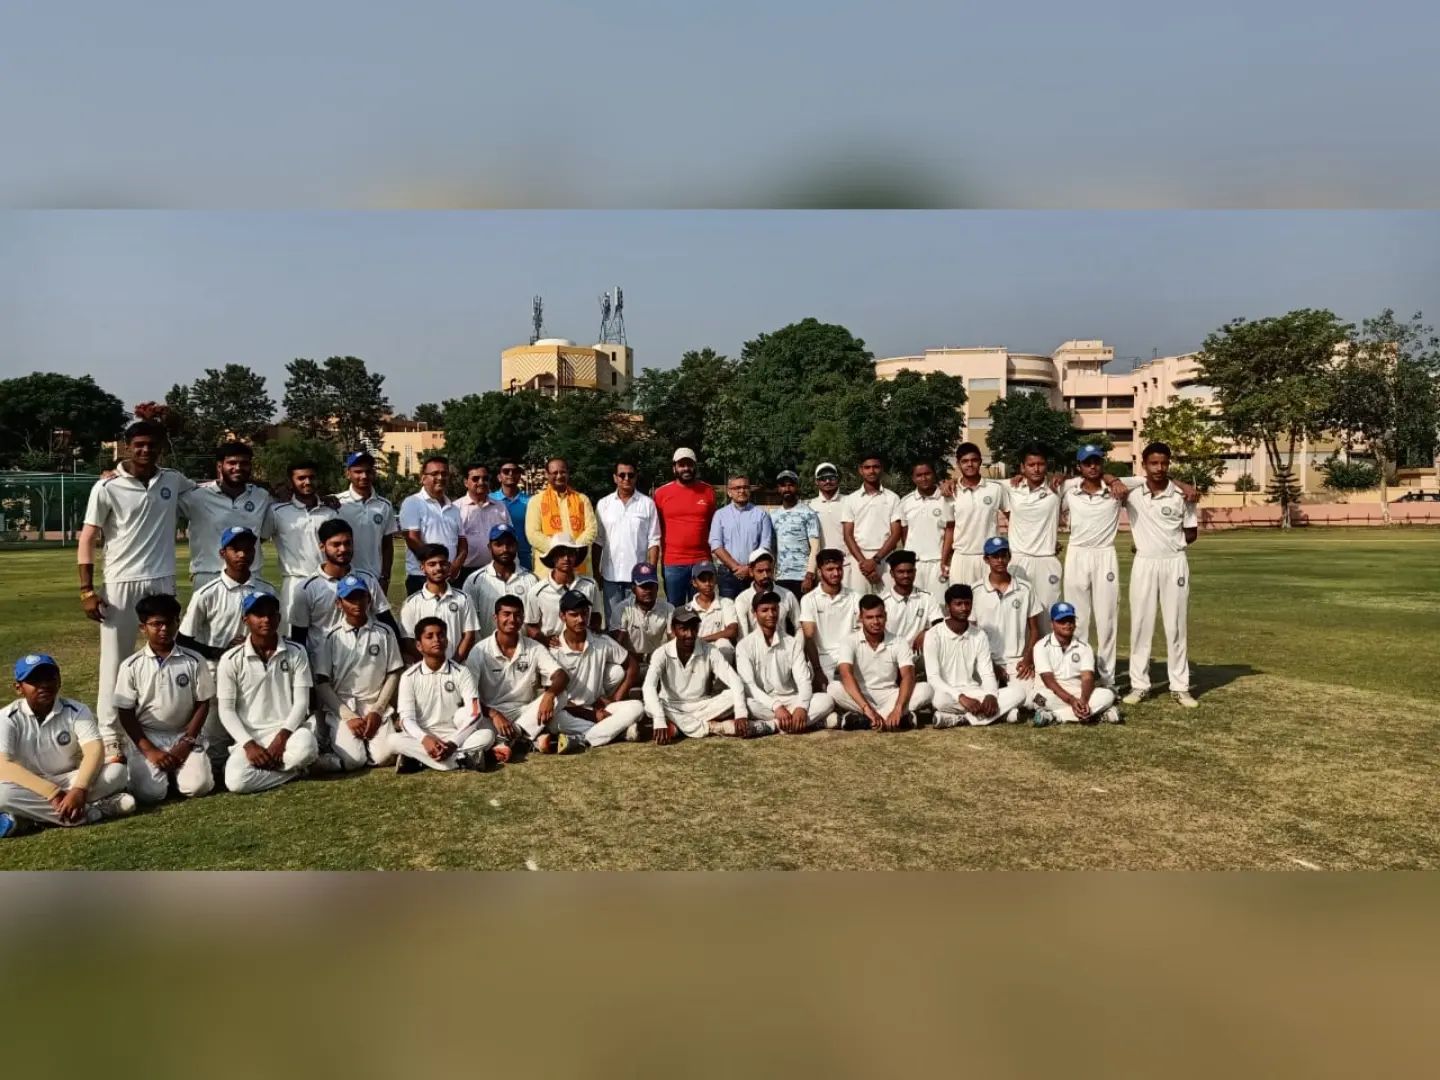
(834, 722)
(113, 806)
(850, 720)
(329, 763)
(948, 720)
(404, 765)
(1183, 698)
(545, 743)
(1112, 716)
(570, 744)
(1042, 718)
(1013, 716)
(500, 752)
(7, 825)
(1134, 697)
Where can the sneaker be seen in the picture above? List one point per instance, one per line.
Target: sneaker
(1112, 716)
(113, 806)
(1013, 716)
(7, 825)
(833, 722)
(404, 765)
(909, 720)
(1042, 718)
(1183, 698)
(948, 720)
(1134, 697)
(853, 721)
(329, 763)
(545, 743)
(570, 744)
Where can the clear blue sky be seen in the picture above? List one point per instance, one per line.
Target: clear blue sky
(145, 299)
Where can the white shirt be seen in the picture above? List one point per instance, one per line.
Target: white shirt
(1005, 617)
(164, 691)
(876, 667)
(452, 607)
(925, 518)
(720, 614)
(296, 529)
(213, 616)
(356, 660)
(959, 662)
(774, 668)
(429, 699)
(485, 586)
(832, 533)
(50, 748)
(1034, 520)
(906, 616)
(627, 531)
(1094, 518)
(586, 665)
(314, 603)
(210, 512)
(1158, 522)
(373, 525)
(647, 629)
(1067, 665)
(872, 516)
(136, 519)
(976, 511)
(669, 682)
(789, 610)
(835, 617)
(509, 683)
(542, 603)
(439, 523)
(259, 697)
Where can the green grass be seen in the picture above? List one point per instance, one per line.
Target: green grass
(1313, 654)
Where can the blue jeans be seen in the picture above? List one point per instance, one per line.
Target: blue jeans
(616, 593)
(678, 587)
(728, 585)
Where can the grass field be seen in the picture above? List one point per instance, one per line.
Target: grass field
(1315, 745)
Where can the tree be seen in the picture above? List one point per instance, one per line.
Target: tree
(229, 401)
(494, 426)
(1273, 380)
(675, 405)
(906, 420)
(48, 416)
(591, 432)
(430, 414)
(273, 461)
(1024, 418)
(1197, 453)
(341, 401)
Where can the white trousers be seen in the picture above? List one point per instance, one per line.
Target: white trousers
(817, 707)
(1026, 687)
(118, 628)
(860, 583)
(242, 778)
(357, 753)
(150, 785)
(693, 718)
(620, 715)
(927, 578)
(289, 596)
(527, 719)
(1101, 699)
(1092, 585)
(1165, 581)
(883, 698)
(475, 741)
(22, 802)
(948, 712)
(1042, 574)
(966, 568)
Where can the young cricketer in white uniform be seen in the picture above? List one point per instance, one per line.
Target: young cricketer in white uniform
(1065, 683)
(643, 621)
(213, 623)
(875, 671)
(677, 686)
(778, 680)
(521, 686)
(1035, 532)
(909, 611)
(501, 576)
(961, 671)
(829, 505)
(829, 614)
(977, 503)
(602, 673)
(296, 524)
(927, 528)
(762, 580)
(440, 718)
(719, 621)
(871, 521)
(371, 516)
(229, 502)
(357, 677)
(313, 610)
(1092, 573)
(439, 599)
(1006, 609)
(542, 602)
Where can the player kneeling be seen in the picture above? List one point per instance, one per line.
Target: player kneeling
(778, 678)
(357, 674)
(677, 686)
(1065, 669)
(440, 720)
(520, 684)
(959, 667)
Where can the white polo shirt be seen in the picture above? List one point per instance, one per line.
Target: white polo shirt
(1034, 520)
(789, 610)
(1158, 522)
(877, 667)
(439, 523)
(1094, 516)
(257, 698)
(213, 616)
(976, 513)
(356, 660)
(832, 532)
(906, 616)
(925, 518)
(163, 690)
(296, 532)
(648, 630)
(1067, 665)
(485, 586)
(872, 516)
(509, 683)
(720, 614)
(542, 602)
(428, 699)
(1004, 617)
(586, 665)
(959, 662)
(774, 668)
(136, 518)
(51, 747)
(373, 525)
(315, 602)
(210, 511)
(669, 682)
(452, 607)
(627, 530)
(835, 617)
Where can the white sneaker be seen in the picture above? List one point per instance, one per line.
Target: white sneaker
(1134, 697)
(1183, 698)
(113, 806)
(1111, 716)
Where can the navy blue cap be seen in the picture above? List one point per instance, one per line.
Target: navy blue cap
(644, 574)
(499, 532)
(30, 661)
(358, 456)
(700, 569)
(1061, 610)
(574, 600)
(996, 544)
(1088, 451)
(351, 583)
(230, 535)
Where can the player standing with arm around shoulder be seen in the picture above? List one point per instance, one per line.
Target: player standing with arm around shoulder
(927, 528)
(978, 503)
(1092, 573)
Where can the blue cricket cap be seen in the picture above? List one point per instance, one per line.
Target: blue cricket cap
(644, 574)
(235, 532)
(700, 569)
(1089, 450)
(359, 457)
(1061, 610)
(996, 544)
(253, 597)
(30, 661)
(351, 583)
(499, 532)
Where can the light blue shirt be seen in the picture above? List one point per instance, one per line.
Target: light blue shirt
(740, 530)
(516, 504)
(794, 529)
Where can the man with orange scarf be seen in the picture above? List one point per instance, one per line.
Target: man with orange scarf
(559, 510)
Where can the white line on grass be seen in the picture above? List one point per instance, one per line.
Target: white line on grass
(1099, 791)
(1302, 862)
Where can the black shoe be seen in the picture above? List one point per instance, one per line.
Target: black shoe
(853, 721)
(520, 748)
(405, 765)
(485, 761)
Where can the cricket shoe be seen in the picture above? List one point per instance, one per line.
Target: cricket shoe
(1183, 699)
(1042, 718)
(850, 720)
(570, 744)
(1134, 697)
(1112, 716)
(329, 763)
(405, 765)
(113, 806)
(8, 825)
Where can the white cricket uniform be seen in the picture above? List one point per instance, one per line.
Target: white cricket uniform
(373, 525)
(485, 586)
(513, 685)
(1092, 572)
(210, 511)
(542, 602)
(872, 516)
(906, 616)
(356, 661)
(720, 614)
(296, 532)
(832, 529)
(835, 618)
(452, 607)
(1066, 665)
(745, 610)
(443, 702)
(977, 511)
(52, 749)
(1034, 539)
(437, 523)
(596, 669)
(679, 692)
(925, 518)
(646, 630)
(1005, 618)
(165, 691)
(314, 609)
(136, 519)
(960, 665)
(877, 670)
(213, 616)
(776, 672)
(1161, 572)
(258, 698)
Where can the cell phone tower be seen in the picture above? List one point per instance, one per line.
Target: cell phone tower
(537, 318)
(604, 318)
(617, 319)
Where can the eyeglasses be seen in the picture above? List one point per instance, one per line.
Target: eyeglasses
(477, 479)
(434, 474)
(626, 475)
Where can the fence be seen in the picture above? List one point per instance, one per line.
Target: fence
(43, 507)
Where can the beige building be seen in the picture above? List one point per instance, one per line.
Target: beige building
(556, 366)
(404, 446)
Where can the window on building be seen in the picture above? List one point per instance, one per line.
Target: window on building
(1120, 435)
(1122, 401)
(982, 384)
(1088, 403)
(1028, 388)
(614, 379)
(981, 423)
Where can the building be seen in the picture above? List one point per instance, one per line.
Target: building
(556, 366)
(404, 444)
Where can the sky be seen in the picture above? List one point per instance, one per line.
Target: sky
(145, 299)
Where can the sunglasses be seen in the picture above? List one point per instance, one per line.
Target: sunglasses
(626, 475)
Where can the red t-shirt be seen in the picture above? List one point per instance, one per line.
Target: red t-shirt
(685, 512)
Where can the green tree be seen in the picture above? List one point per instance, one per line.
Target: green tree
(340, 401)
(1355, 474)
(1189, 430)
(906, 420)
(494, 426)
(273, 460)
(226, 401)
(431, 414)
(48, 416)
(1020, 419)
(591, 432)
(675, 404)
(1273, 380)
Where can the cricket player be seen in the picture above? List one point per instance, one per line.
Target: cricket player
(909, 611)
(164, 695)
(440, 720)
(372, 518)
(977, 503)
(213, 623)
(438, 599)
(762, 580)
(1035, 531)
(719, 622)
(1092, 572)
(542, 603)
(263, 693)
(828, 506)
(829, 613)
(357, 677)
(296, 524)
(1162, 525)
(501, 576)
(959, 667)
(134, 513)
(644, 619)
(1067, 691)
(1006, 609)
(778, 680)
(602, 673)
(227, 502)
(870, 523)
(875, 676)
(677, 687)
(52, 759)
(927, 528)
(314, 610)
(522, 688)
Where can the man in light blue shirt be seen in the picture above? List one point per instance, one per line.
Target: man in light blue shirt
(735, 531)
(797, 536)
(515, 500)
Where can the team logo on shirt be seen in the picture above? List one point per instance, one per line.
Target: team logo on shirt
(63, 738)
(1168, 511)
(374, 650)
(1074, 657)
(1181, 583)
(285, 665)
(249, 505)
(1015, 603)
(454, 605)
(987, 500)
(165, 493)
(1054, 579)
(182, 679)
(449, 686)
(935, 512)
(522, 665)
(1110, 575)
(377, 517)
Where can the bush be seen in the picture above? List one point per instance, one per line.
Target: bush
(1247, 483)
(1351, 475)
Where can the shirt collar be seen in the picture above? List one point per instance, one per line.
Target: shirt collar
(447, 668)
(437, 597)
(55, 710)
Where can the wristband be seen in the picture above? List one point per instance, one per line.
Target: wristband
(86, 591)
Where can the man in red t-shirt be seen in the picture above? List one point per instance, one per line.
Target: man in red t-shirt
(686, 506)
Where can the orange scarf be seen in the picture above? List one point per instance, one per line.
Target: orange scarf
(550, 512)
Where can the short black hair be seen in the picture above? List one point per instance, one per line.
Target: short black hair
(508, 601)
(303, 463)
(771, 597)
(147, 607)
(334, 527)
(428, 458)
(829, 555)
(143, 428)
(1034, 449)
(864, 457)
(959, 592)
(427, 622)
(1156, 448)
(476, 465)
(426, 552)
(869, 602)
(968, 448)
(233, 448)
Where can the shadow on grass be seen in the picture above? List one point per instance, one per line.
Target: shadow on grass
(1203, 677)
